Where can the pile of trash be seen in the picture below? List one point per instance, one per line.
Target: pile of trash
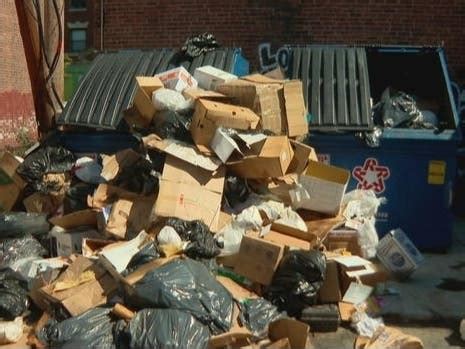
(222, 230)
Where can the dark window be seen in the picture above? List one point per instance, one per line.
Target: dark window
(77, 4)
(78, 40)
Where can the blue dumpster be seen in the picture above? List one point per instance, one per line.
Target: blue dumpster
(413, 168)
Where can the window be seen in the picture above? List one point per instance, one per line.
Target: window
(77, 5)
(78, 40)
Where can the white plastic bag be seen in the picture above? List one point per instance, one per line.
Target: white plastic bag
(169, 236)
(365, 325)
(166, 99)
(11, 331)
(89, 170)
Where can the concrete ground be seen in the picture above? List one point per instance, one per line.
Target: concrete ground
(429, 305)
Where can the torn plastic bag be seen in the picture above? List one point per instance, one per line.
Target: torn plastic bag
(197, 45)
(11, 331)
(363, 324)
(187, 285)
(88, 170)
(92, 329)
(44, 161)
(13, 250)
(13, 295)
(174, 125)
(13, 224)
(148, 253)
(297, 280)
(202, 241)
(166, 99)
(256, 314)
(169, 235)
(166, 328)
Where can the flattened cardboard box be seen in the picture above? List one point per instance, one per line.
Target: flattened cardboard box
(263, 99)
(189, 192)
(76, 219)
(272, 160)
(208, 116)
(258, 259)
(11, 184)
(324, 188)
(146, 85)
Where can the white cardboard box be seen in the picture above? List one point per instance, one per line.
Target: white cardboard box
(209, 77)
(398, 254)
(177, 79)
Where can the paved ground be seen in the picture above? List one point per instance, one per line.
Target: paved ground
(426, 307)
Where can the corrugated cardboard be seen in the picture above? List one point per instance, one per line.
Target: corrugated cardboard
(177, 79)
(357, 293)
(330, 291)
(146, 85)
(42, 203)
(295, 331)
(129, 216)
(398, 254)
(189, 192)
(82, 297)
(112, 165)
(370, 275)
(70, 241)
(343, 239)
(208, 116)
(324, 186)
(272, 160)
(291, 231)
(209, 77)
(346, 310)
(286, 240)
(319, 224)
(11, 184)
(76, 219)
(258, 259)
(302, 155)
(263, 99)
(182, 151)
(223, 145)
(106, 194)
(293, 111)
(91, 247)
(196, 93)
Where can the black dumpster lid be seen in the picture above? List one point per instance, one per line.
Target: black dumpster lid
(109, 86)
(336, 86)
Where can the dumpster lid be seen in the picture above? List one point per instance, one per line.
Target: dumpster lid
(109, 86)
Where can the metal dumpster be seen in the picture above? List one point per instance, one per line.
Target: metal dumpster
(413, 168)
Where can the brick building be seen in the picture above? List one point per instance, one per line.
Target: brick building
(17, 115)
(248, 23)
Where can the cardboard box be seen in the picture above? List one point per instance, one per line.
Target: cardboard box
(330, 291)
(263, 99)
(113, 165)
(145, 86)
(369, 274)
(189, 192)
(258, 259)
(11, 184)
(209, 77)
(208, 116)
(76, 219)
(42, 203)
(128, 216)
(295, 331)
(294, 232)
(196, 93)
(346, 310)
(91, 247)
(287, 241)
(177, 79)
(293, 111)
(398, 254)
(343, 239)
(106, 194)
(323, 188)
(83, 286)
(70, 241)
(303, 154)
(272, 160)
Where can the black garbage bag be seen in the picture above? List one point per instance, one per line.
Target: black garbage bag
(166, 328)
(138, 178)
(14, 224)
(197, 45)
(12, 250)
(43, 161)
(256, 315)
(236, 190)
(202, 242)
(92, 329)
(76, 197)
(148, 253)
(13, 295)
(297, 280)
(172, 124)
(185, 284)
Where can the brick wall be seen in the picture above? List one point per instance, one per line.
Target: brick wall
(16, 102)
(246, 23)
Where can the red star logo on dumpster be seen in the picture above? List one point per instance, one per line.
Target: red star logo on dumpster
(371, 175)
